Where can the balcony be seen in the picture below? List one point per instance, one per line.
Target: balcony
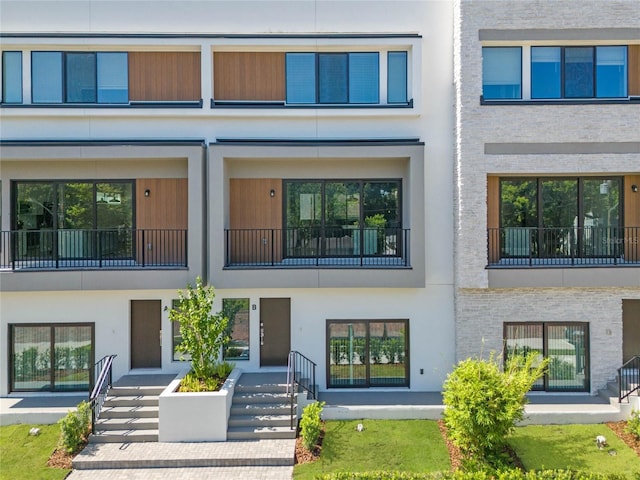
(317, 247)
(110, 249)
(519, 247)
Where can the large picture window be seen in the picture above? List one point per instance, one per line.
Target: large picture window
(73, 219)
(561, 217)
(342, 217)
(52, 357)
(566, 345)
(501, 72)
(367, 353)
(79, 77)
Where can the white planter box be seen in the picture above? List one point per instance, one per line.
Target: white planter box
(197, 416)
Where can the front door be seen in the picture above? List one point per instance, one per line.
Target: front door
(275, 331)
(630, 329)
(145, 334)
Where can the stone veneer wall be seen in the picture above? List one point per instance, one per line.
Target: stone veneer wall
(481, 314)
(478, 124)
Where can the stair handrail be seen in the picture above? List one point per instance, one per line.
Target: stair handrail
(104, 378)
(301, 373)
(629, 379)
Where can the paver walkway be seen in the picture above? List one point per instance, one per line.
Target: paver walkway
(259, 459)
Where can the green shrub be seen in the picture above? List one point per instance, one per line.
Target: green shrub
(633, 424)
(508, 474)
(75, 427)
(483, 402)
(311, 424)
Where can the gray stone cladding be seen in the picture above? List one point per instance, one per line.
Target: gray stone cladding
(481, 314)
(479, 124)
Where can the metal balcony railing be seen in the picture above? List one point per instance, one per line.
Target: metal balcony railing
(347, 246)
(93, 248)
(563, 246)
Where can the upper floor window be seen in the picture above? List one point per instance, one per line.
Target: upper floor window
(332, 77)
(502, 72)
(11, 77)
(579, 72)
(79, 77)
(559, 73)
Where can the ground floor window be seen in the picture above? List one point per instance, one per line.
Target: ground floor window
(237, 311)
(566, 345)
(52, 357)
(367, 353)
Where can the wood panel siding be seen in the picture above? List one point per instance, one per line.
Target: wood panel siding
(493, 217)
(164, 76)
(252, 208)
(165, 209)
(249, 76)
(632, 218)
(634, 70)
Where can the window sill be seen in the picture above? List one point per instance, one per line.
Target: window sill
(564, 101)
(162, 104)
(283, 105)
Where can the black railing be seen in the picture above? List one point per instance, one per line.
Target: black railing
(103, 375)
(566, 246)
(629, 379)
(100, 248)
(301, 375)
(346, 246)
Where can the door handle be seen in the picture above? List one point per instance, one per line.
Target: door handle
(261, 334)
(160, 337)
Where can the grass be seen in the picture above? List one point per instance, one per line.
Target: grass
(573, 447)
(23, 456)
(407, 445)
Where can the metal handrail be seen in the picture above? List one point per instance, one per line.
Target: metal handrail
(301, 373)
(103, 370)
(629, 379)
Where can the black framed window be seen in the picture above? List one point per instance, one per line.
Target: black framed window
(51, 357)
(367, 353)
(579, 72)
(566, 345)
(337, 78)
(561, 216)
(73, 219)
(342, 217)
(237, 311)
(79, 77)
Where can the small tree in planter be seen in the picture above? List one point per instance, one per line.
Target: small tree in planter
(203, 335)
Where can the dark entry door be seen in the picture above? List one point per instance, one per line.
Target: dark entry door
(275, 331)
(145, 334)
(630, 329)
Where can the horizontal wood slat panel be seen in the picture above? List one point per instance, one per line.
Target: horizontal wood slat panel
(164, 76)
(258, 76)
(634, 69)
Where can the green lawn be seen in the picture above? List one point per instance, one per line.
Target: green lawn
(25, 457)
(573, 447)
(407, 445)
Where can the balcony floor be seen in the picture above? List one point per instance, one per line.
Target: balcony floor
(327, 262)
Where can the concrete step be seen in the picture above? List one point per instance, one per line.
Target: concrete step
(143, 423)
(259, 433)
(260, 397)
(264, 388)
(123, 436)
(260, 421)
(127, 401)
(129, 412)
(136, 391)
(261, 409)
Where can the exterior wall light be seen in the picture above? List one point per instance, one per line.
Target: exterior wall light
(634, 188)
(147, 192)
(272, 193)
